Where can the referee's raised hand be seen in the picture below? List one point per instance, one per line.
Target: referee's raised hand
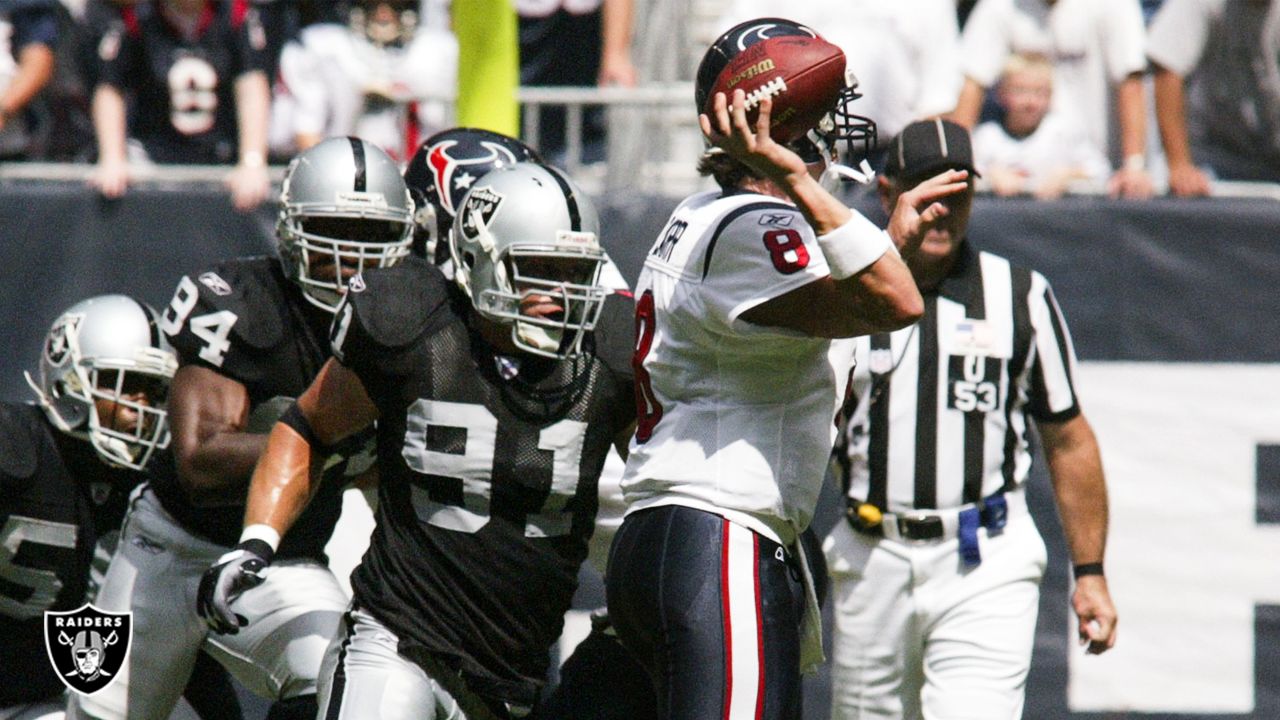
(922, 207)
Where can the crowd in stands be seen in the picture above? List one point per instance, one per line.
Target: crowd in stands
(1057, 91)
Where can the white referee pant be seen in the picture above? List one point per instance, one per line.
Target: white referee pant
(155, 574)
(919, 635)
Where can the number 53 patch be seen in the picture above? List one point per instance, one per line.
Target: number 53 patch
(973, 383)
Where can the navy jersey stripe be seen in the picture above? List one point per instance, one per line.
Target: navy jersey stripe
(730, 217)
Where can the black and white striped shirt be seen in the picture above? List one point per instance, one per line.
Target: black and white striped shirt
(937, 413)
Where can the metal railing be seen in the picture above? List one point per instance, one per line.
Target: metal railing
(652, 136)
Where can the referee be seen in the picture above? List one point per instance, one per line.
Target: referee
(936, 574)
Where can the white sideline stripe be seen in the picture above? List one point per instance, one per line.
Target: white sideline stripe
(744, 622)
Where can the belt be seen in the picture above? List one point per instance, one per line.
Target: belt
(991, 512)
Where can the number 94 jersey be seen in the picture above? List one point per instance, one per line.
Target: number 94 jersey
(488, 468)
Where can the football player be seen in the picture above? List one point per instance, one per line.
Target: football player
(67, 465)
(738, 384)
(497, 398)
(250, 335)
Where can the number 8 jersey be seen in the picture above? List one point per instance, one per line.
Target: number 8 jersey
(488, 467)
(734, 418)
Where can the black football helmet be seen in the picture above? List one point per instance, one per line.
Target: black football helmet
(442, 170)
(841, 135)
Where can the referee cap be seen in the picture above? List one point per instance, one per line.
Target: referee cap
(927, 147)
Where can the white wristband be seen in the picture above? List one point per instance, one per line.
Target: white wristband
(252, 158)
(853, 247)
(263, 532)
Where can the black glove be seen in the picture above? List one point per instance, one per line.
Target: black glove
(223, 582)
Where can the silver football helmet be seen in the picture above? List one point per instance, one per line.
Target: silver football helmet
(343, 208)
(104, 360)
(527, 231)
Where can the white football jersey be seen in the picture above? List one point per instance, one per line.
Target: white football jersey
(734, 418)
(334, 82)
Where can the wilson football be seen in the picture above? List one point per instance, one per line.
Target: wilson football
(803, 75)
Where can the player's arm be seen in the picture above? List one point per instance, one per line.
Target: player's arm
(333, 408)
(208, 413)
(870, 288)
(1075, 467)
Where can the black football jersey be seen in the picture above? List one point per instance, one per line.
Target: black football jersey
(184, 107)
(245, 320)
(55, 497)
(488, 467)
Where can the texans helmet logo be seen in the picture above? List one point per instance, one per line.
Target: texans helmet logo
(753, 34)
(451, 173)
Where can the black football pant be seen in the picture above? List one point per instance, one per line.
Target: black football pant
(712, 611)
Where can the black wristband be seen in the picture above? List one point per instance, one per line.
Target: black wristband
(259, 548)
(294, 418)
(1093, 568)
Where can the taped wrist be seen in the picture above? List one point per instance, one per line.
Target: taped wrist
(294, 418)
(1079, 571)
(854, 246)
(260, 533)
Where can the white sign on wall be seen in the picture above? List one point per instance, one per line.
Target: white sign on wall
(1187, 562)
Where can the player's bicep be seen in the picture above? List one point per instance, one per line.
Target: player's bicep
(336, 405)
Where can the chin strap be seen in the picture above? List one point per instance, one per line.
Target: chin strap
(835, 174)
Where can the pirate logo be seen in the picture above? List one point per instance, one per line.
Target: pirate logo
(87, 647)
(482, 206)
(57, 347)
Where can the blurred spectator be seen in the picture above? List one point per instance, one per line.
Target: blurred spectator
(193, 72)
(1032, 150)
(575, 42)
(28, 37)
(905, 54)
(1227, 115)
(1096, 47)
(389, 76)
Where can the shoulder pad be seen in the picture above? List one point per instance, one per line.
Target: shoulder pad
(250, 289)
(393, 306)
(18, 438)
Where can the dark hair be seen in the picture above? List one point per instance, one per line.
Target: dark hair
(728, 171)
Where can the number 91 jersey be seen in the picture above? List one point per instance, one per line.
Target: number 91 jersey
(488, 468)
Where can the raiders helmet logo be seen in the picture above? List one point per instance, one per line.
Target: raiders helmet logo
(87, 647)
(57, 347)
(482, 206)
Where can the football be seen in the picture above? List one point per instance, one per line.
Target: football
(803, 75)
